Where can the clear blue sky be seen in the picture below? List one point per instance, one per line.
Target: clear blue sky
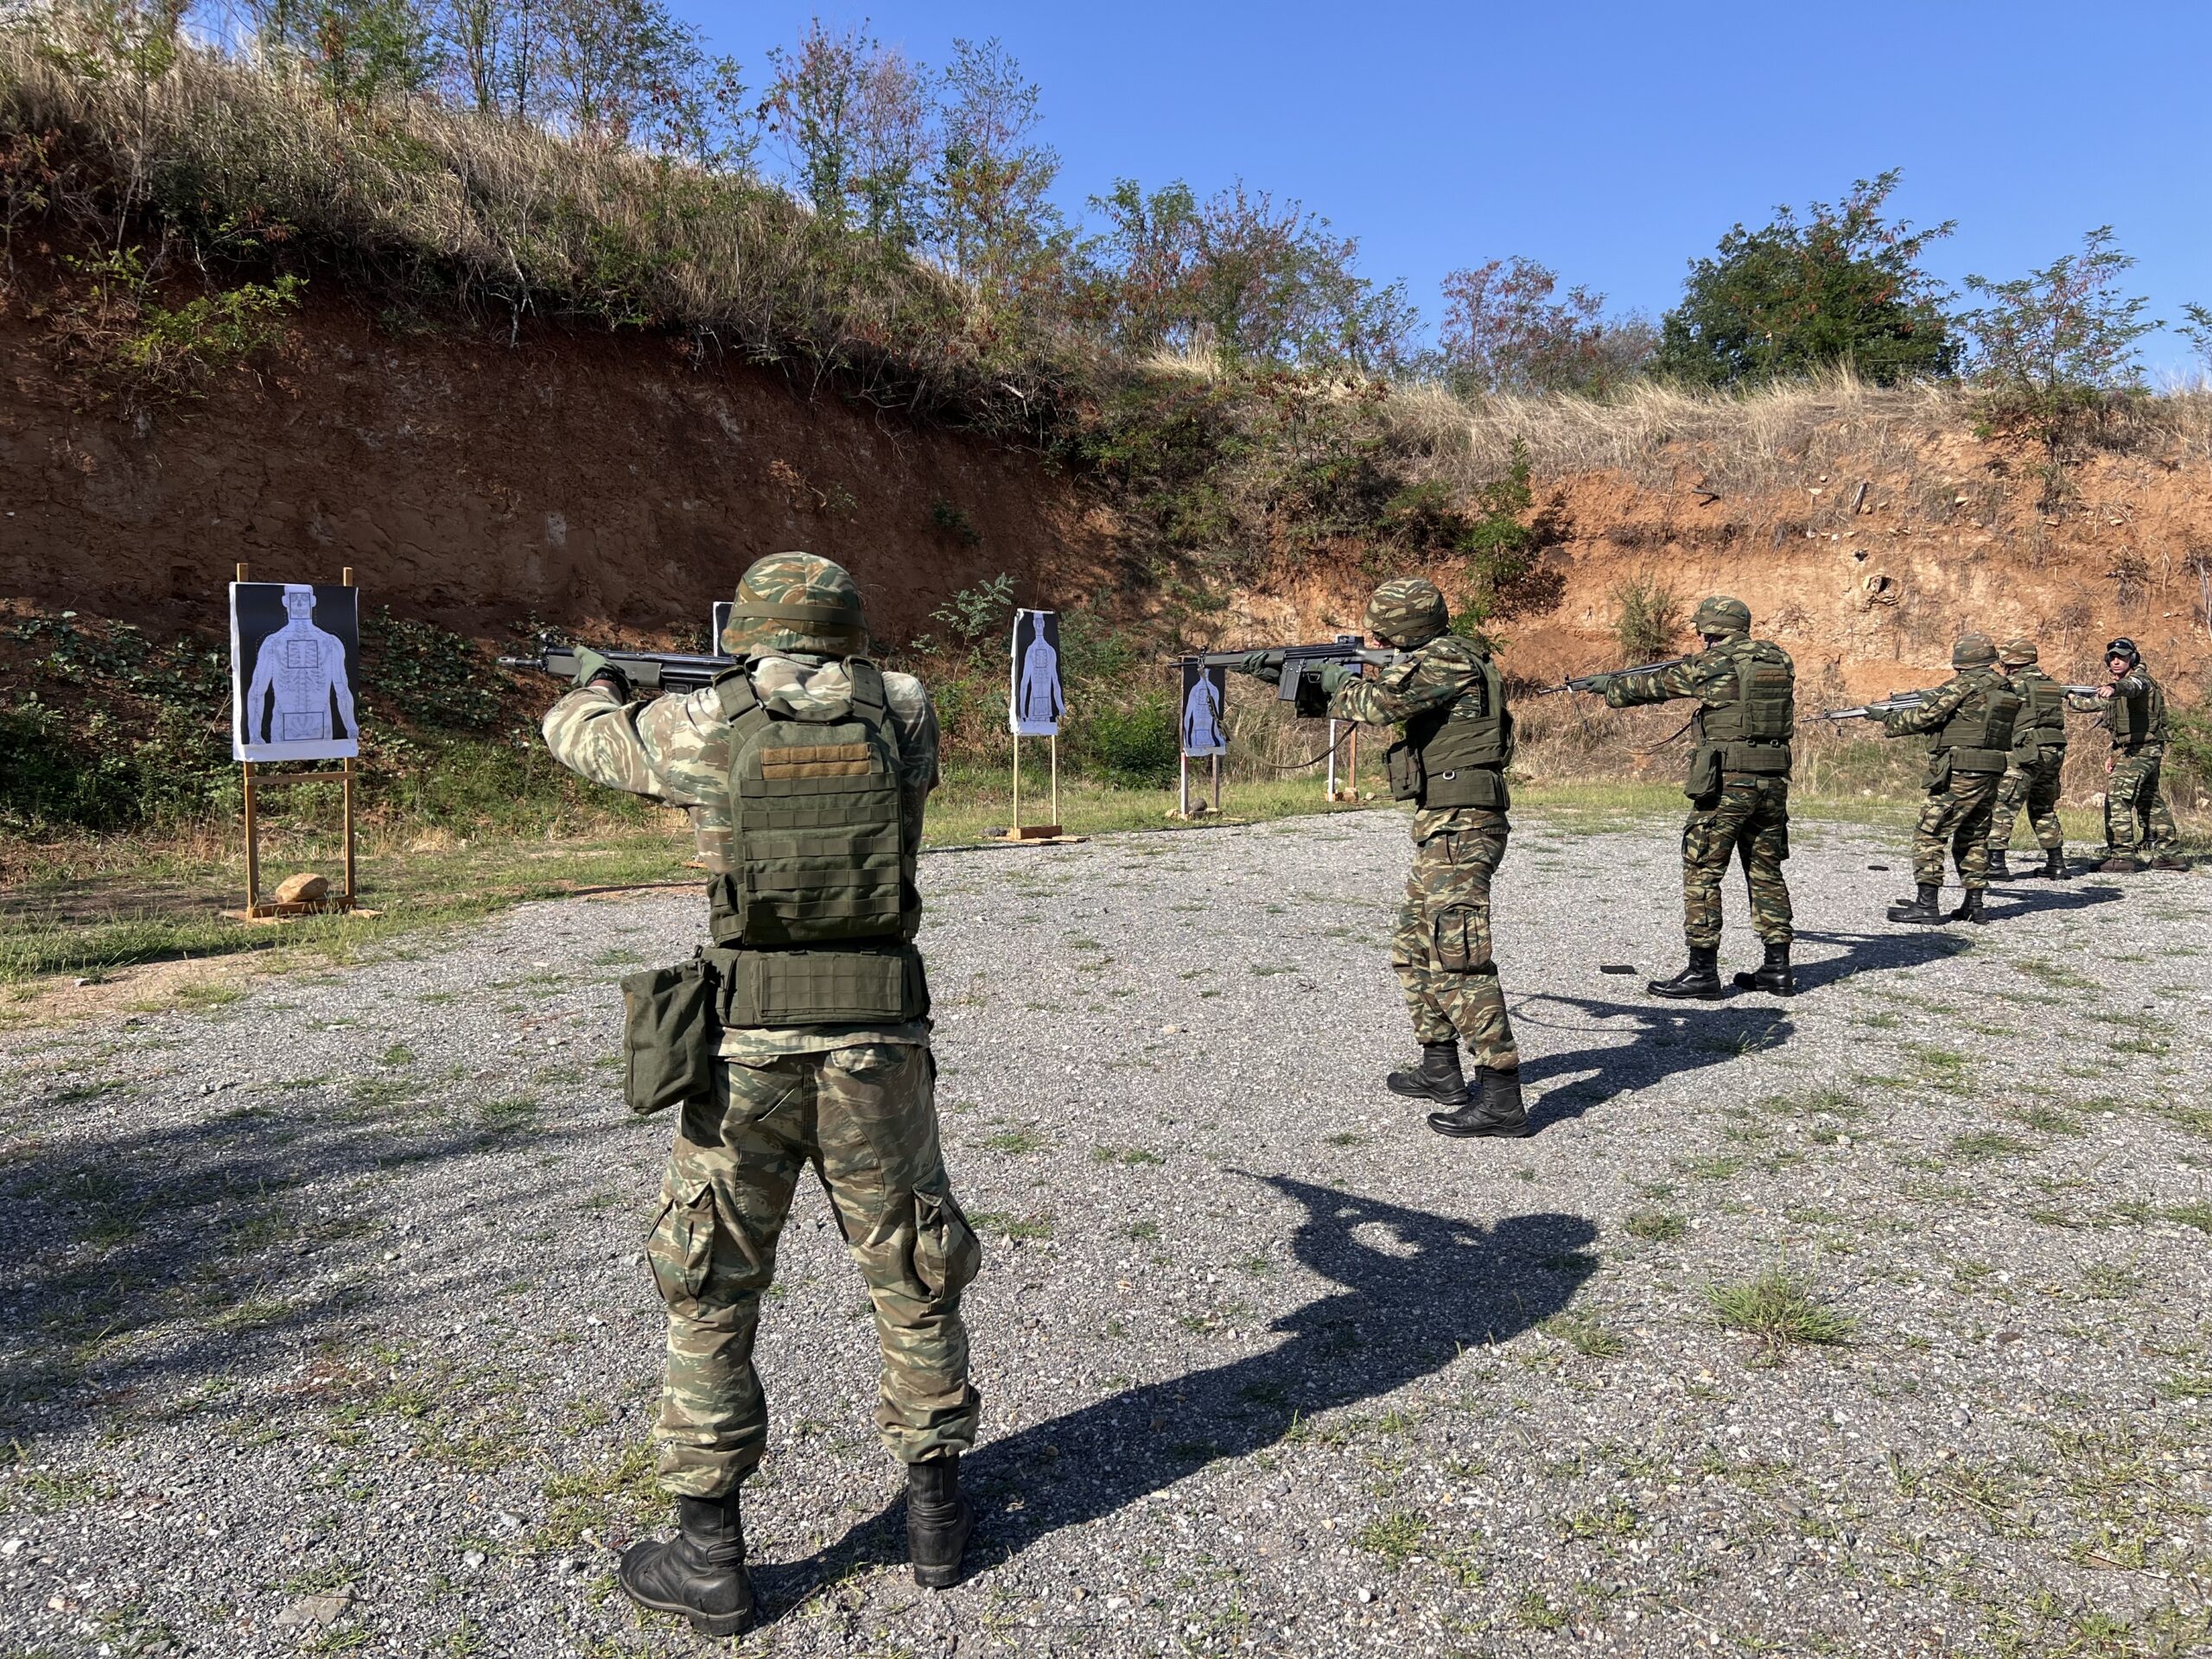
(1614, 140)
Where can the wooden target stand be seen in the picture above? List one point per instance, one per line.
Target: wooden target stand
(1039, 835)
(255, 778)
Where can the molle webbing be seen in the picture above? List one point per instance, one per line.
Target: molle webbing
(1978, 737)
(1463, 749)
(2141, 719)
(2043, 710)
(1752, 728)
(816, 911)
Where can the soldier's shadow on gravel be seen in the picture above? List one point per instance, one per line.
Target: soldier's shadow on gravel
(2007, 902)
(1416, 1289)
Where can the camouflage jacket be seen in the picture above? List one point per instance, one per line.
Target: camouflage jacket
(1711, 675)
(1431, 676)
(2136, 684)
(677, 750)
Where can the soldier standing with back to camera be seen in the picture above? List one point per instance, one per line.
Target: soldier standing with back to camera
(2039, 757)
(805, 771)
(1450, 761)
(1739, 788)
(2136, 814)
(1968, 723)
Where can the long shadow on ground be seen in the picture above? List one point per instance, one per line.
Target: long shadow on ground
(1406, 1309)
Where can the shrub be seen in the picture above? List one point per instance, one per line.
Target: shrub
(1647, 619)
(1137, 746)
(1842, 289)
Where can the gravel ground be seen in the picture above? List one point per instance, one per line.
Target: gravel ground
(326, 1325)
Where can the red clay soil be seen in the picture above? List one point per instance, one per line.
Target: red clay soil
(587, 478)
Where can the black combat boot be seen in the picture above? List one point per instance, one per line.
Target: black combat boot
(1970, 909)
(1773, 975)
(1922, 907)
(1439, 1077)
(2118, 863)
(939, 1520)
(1496, 1108)
(1701, 980)
(699, 1574)
(2053, 865)
(1999, 869)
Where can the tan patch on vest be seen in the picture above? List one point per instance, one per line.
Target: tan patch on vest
(815, 760)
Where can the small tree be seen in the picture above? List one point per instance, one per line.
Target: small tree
(1844, 287)
(2053, 344)
(2197, 331)
(993, 221)
(856, 123)
(1503, 331)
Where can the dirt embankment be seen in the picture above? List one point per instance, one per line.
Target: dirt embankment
(1865, 563)
(576, 478)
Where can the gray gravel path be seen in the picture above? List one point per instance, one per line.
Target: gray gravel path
(325, 1324)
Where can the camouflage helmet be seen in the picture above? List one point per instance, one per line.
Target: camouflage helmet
(1721, 614)
(796, 601)
(1408, 612)
(2017, 652)
(1973, 651)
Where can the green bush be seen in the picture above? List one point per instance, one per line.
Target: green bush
(1136, 746)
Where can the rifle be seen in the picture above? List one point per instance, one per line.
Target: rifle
(1891, 704)
(1300, 667)
(1589, 680)
(655, 670)
(2083, 690)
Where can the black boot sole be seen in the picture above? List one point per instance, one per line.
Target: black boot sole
(1714, 993)
(705, 1623)
(1507, 1131)
(1752, 983)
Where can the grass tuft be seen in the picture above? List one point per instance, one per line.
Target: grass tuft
(1780, 1310)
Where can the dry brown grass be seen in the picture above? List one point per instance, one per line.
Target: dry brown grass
(438, 206)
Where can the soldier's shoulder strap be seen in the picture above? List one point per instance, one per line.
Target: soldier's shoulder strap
(733, 691)
(868, 684)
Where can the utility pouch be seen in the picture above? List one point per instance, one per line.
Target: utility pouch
(856, 985)
(1401, 761)
(1939, 770)
(1705, 771)
(670, 1036)
(1483, 786)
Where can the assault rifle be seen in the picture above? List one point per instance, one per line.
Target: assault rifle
(1902, 700)
(652, 671)
(1588, 682)
(1297, 669)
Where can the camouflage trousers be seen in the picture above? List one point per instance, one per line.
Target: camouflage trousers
(1750, 816)
(1957, 817)
(865, 1116)
(1441, 948)
(2033, 784)
(2137, 818)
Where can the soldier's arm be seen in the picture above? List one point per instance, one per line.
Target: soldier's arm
(636, 747)
(1942, 704)
(1657, 685)
(1428, 685)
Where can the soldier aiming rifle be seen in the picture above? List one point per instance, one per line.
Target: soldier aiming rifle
(1738, 786)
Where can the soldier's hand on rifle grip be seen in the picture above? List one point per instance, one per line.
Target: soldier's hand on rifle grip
(1333, 675)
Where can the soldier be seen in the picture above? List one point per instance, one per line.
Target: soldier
(2039, 757)
(805, 771)
(1450, 762)
(1969, 722)
(1739, 789)
(2136, 815)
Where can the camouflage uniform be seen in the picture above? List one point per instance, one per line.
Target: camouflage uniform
(1746, 814)
(2038, 758)
(1441, 949)
(1957, 813)
(2138, 821)
(856, 1102)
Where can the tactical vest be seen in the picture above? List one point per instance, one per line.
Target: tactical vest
(1751, 728)
(1456, 755)
(1978, 737)
(2141, 719)
(814, 920)
(2041, 724)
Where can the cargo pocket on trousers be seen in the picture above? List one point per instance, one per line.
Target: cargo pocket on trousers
(1461, 944)
(682, 1246)
(947, 1253)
